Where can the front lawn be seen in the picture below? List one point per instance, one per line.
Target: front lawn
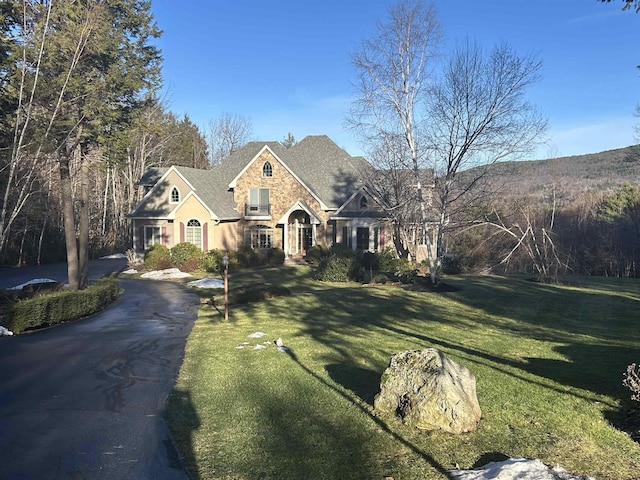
(549, 362)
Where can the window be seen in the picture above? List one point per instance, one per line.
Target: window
(258, 202)
(346, 237)
(152, 236)
(175, 195)
(193, 233)
(260, 236)
(364, 203)
(267, 170)
(362, 238)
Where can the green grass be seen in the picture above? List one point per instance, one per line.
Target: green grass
(548, 361)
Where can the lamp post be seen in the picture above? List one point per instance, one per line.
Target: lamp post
(225, 262)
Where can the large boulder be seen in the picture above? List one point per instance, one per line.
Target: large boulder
(428, 391)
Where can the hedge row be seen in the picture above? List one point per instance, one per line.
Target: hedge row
(189, 258)
(53, 308)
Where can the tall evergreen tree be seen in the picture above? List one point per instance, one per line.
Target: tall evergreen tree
(97, 61)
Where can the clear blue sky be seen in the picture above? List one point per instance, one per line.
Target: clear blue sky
(285, 64)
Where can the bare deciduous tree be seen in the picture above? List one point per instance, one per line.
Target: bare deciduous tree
(393, 69)
(475, 113)
(227, 134)
(478, 115)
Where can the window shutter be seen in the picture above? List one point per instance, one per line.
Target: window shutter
(163, 239)
(205, 237)
(141, 239)
(181, 232)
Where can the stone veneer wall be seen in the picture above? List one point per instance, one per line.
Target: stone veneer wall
(284, 191)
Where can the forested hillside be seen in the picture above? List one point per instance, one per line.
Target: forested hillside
(571, 177)
(578, 214)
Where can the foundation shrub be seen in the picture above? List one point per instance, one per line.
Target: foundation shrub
(316, 253)
(275, 256)
(186, 256)
(158, 258)
(339, 269)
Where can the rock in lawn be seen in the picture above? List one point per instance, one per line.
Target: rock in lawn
(428, 391)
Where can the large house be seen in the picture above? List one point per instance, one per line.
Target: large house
(266, 196)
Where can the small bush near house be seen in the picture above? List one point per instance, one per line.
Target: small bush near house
(158, 258)
(340, 250)
(214, 261)
(186, 256)
(340, 269)
(59, 307)
(398, 268)
(248, 257)
(275, 256)
(316, 253)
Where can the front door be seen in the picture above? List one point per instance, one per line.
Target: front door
(305, 238)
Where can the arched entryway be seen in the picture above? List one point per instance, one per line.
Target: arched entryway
(301, 233)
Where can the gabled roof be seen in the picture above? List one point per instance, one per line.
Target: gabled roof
(342, 214)
(327, 171)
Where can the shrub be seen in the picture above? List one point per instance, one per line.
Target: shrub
(451, 264)
(370, 261)
(316, 253)
(340, 250)
(186, 256)
(339, 269)
(275, 256)
(387, 260)
(249, 257)
(400, 269)
(380, 278)
(59, 307)
(158, 258)
(132, 258)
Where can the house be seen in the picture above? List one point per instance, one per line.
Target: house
(266, 196)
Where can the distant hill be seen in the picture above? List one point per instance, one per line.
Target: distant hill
(571, 176)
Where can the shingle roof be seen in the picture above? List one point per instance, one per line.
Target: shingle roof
(326, 169)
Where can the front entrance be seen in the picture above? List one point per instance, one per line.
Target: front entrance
(305, 238)
(301, 233)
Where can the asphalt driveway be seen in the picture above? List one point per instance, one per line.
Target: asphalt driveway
(85, 400)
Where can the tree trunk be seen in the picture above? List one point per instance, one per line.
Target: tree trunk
(83, 224)
(69, 223)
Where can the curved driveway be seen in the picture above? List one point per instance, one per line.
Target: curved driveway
(85, 400)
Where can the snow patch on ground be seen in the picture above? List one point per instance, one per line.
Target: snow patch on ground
(257, 346)
(5, 332)
(114, 256)
(520, 468)
(207, 282)
(165, 274)
(32, 282)
(131, 271)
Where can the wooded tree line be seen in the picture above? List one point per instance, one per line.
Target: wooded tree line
(595, 234)
(80, 122)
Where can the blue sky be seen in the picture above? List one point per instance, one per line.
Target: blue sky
(285, 64)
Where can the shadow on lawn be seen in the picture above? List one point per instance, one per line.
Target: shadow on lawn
(361, 381)
(363, 389)
(185, 422)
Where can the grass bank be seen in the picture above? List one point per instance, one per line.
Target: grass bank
(548, 360)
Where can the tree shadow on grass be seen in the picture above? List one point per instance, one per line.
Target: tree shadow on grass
(363, 382)
(364, 385)
(183, 420)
